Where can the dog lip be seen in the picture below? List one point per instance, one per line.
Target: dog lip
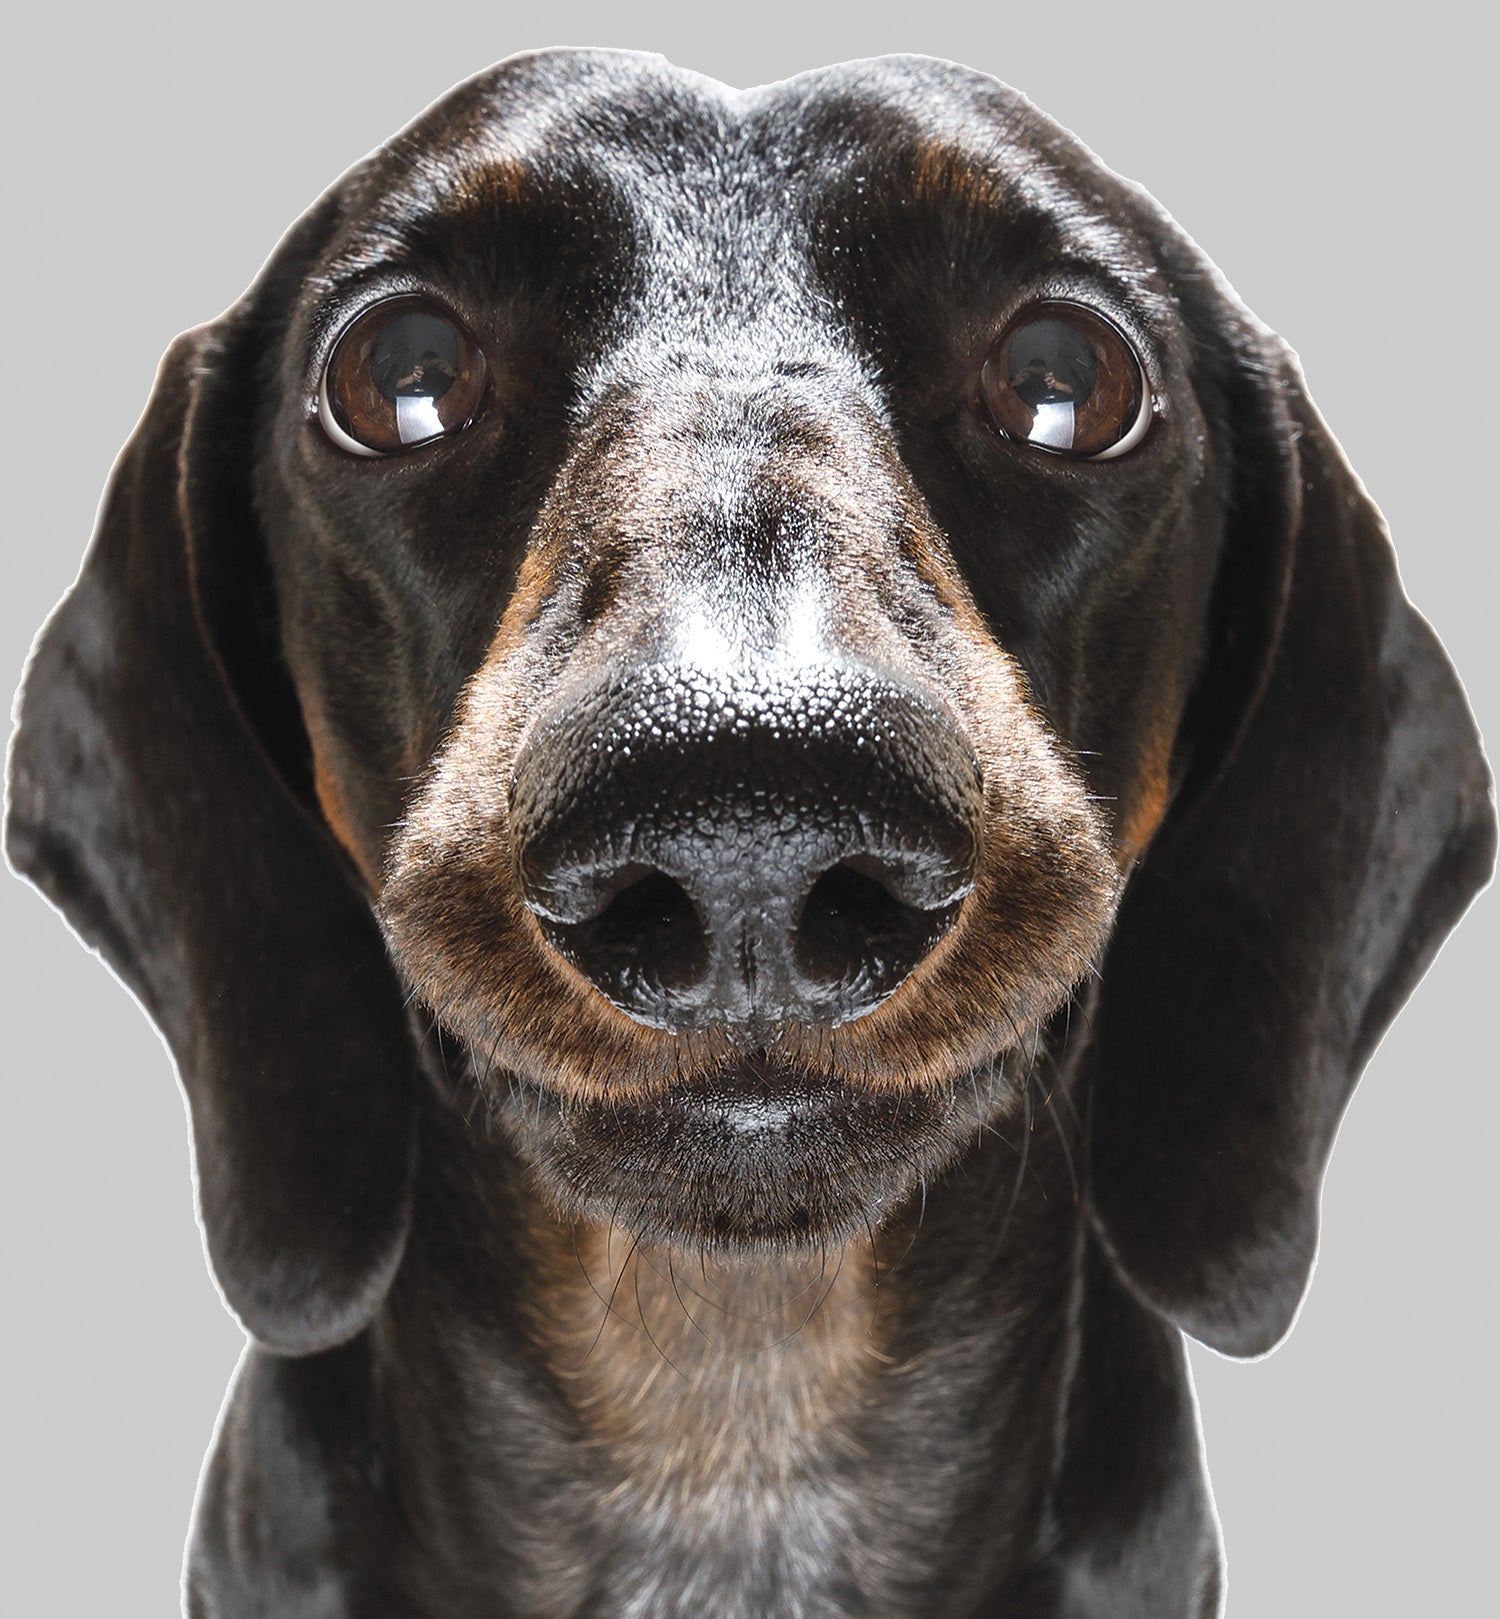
(756, 1118)
(753, 1154)
(756, 1094)
(759, 1096)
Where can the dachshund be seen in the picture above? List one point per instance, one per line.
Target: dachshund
(770, 780)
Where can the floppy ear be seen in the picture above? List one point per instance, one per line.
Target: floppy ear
(1291, 901)
(145, 803)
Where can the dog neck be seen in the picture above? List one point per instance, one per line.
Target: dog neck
(638, 1424)
(707, 1381)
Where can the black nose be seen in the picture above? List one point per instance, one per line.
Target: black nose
(747, 851)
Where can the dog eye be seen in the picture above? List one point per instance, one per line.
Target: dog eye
(404, 373)
(1062, 378)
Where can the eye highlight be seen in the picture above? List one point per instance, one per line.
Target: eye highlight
(404, 373)
(1063, 379)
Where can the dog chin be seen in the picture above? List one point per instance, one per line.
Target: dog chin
(751, 1158)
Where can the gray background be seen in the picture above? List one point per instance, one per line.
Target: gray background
(1337, 166)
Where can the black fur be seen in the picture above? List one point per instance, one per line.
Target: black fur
(1220, 605)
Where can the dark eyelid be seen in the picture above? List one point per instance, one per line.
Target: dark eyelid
(340, 303)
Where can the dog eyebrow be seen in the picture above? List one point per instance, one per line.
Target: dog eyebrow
(942, 172)
(427, 196)
(999, 189)
(434, 221)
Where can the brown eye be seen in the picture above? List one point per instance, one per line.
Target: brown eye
(404, 373)
(1061, 378)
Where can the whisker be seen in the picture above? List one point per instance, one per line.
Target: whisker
(583, 1268)
(609, 1304)
(682, 1302)
(818, 1302)
(864, 1214)
(640, 1310)
(1015, 1190)
(1063, 1142)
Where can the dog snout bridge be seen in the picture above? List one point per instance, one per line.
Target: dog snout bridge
(749, 849)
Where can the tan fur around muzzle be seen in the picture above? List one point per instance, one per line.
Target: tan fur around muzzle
(619, 530)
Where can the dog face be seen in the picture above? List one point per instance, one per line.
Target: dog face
(738, 656)
(741, 603)
(743, 814)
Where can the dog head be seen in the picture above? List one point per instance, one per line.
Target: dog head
(741, 603)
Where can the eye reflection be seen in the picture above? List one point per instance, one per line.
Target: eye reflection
(1052, 426)
(416, 418)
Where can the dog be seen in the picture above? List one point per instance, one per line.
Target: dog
(770, 781)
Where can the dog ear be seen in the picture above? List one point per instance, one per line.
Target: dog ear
(154, 799)
(1332, 830)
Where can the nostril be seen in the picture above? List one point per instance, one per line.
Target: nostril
(653, 910)
(748, 850)
(645, 943)
(856, 931)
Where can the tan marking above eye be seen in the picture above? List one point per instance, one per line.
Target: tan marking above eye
(944, 174)
(405, 372)
(1063, 379)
